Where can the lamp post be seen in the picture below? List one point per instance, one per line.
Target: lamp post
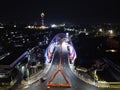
(28, 77)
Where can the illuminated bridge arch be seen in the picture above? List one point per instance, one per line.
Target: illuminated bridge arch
(60, 39)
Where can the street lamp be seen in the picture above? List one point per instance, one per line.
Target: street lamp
(110, 32)
(28, 77)
(100, 30)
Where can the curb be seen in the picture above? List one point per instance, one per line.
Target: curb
(99, 85)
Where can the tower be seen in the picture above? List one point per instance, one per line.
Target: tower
(42, 19)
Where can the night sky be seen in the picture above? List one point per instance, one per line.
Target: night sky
(60, 11)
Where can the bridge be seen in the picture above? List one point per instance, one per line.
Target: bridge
(60, 40)
(60, 75)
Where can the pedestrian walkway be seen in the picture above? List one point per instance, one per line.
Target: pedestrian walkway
(86, 78)
(36, 77)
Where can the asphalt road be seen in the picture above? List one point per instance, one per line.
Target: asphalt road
(76, 83)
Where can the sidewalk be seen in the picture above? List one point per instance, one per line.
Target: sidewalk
(38, 75)
(85, 77)
(34, 78)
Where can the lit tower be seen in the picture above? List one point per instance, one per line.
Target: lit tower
(42, 19)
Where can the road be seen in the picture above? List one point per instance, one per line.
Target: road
(76, 83)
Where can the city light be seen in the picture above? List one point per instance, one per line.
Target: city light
(14, 26)
(67, 34)
(100, 30)
(110, 31)
(53, 25)
(55, 44)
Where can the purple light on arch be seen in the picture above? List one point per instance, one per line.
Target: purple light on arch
(58, 40)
